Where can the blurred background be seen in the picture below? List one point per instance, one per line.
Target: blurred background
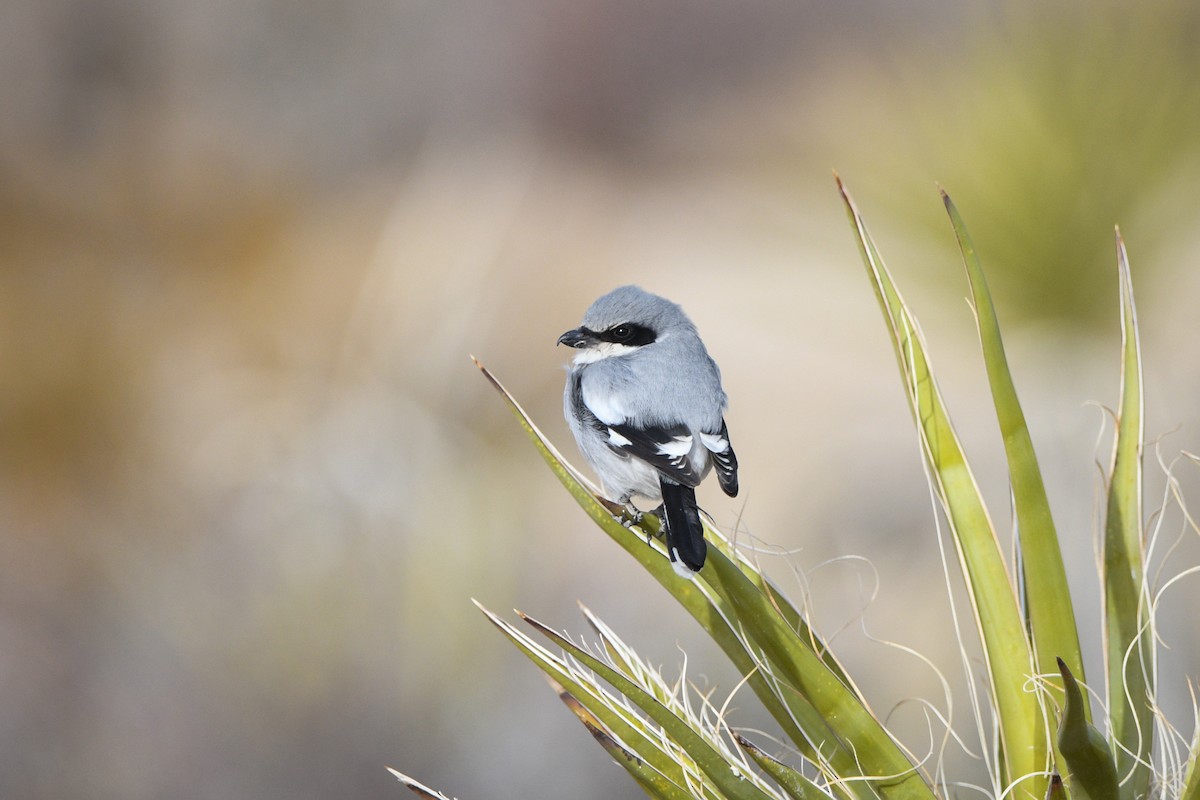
(250, 480)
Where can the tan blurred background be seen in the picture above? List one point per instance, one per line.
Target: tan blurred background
(249, 479)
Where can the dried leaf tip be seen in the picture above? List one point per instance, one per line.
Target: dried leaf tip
(416, 787)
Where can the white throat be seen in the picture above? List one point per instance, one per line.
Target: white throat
(600, 351)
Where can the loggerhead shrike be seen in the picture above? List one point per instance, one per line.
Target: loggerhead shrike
(645, 403)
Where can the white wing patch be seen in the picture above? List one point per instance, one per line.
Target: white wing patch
(714, 443)
(678, 446)
(617, 440)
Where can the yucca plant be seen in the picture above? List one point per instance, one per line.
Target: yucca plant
(1036, 713)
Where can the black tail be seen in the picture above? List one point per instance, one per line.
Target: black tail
(681, 519)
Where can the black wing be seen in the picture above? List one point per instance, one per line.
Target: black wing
(664, 447)
(723, 458)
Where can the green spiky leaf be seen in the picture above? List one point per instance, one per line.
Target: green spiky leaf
(1128, 637)
(875, 755)
(608, 710)
(653, 782)
(1047, 597)
(1191, 783)
(728, 779)
(1086, 751)
(794, 783)
(1007, 651)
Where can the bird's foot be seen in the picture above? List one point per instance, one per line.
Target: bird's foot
(631, 516)
(661, 532)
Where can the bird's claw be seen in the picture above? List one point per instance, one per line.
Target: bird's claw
(631, 516)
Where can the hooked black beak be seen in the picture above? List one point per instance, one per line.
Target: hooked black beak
(579, 337)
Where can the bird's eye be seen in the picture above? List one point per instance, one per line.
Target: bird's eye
(622, 332)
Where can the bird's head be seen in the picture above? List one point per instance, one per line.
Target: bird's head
(621, 322)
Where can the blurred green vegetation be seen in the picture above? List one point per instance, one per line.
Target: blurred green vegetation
(1051, 123)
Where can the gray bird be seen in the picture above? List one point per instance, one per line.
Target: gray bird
(645, 403)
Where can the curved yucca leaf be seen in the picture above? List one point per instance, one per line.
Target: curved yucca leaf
(793, 783)
(1191, 783)
(653, 782)
(1047, 596)
(732, 781)
(1086, 751)
(779, 601)
(1025, 747)
(607, 709)
(877, 757)
(1128, 636)
(838, 760)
